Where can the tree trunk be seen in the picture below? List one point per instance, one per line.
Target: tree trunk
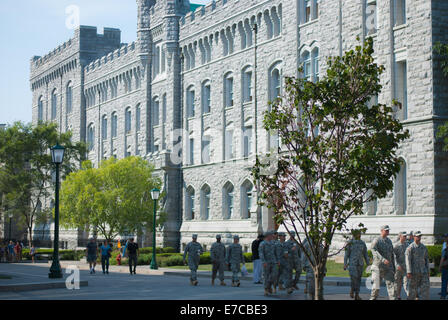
(30, 236)
(319, 283)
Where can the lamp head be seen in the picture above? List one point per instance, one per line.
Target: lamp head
(57, 154)
(155, 193)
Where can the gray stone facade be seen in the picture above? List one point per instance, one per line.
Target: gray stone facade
(212, 59)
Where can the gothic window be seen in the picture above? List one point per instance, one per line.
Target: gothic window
(242, 33)
(400, 190)
(399, 12)
(91, 137)
(114, 124)
(189, 203)
(190, 102)
(248, 30)
(69, 97)
(274, 82)
(247, 84)
(40, 109)
(276, 19)
(104, 127)
(205, 202)
(401, 90)
(268, 23)
(227, 200)
(225, 43)
(192, 56)
(246, 199)
(228, 90)
(127, 122)
(203, 52)
(229, 34)
(205, 97)
(54, 104)
(208, 49)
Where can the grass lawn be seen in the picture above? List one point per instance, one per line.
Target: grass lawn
(333, 269)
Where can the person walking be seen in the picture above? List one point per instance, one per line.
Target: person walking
(285, 279)
(269, 261)
(18, 251)
(194, 251)
(92, 254)
(106, 250)
(278, 252)
(234, 258)
(218, 257)
(410, 238)
(443, 268)
(256, 259)
(11, 253)
(417, 268)
(132, 249)
(32, 253)
(294, 258)
(308, 268)
(383, 266)
(355, 255)
(401, 279)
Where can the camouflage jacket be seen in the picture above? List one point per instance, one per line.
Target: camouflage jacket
(234, 253)
(417, 258)
(194, 250)
(382, 250)
(356, 253)
(218, 252)
(294, 250)
(399, 253)
(267, 252)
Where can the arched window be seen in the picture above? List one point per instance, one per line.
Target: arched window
(227, 200)
(274, 82)
(205, 202)
(104, 127)
(54, 104)
(155, 111)
(399, 12)
(69, 97)
(400, 190)
(128, 116)
(276, 19)
(268, 23)
(91, 137)
(189, 203)
(246, 199)
(247, 84)
(205, 101)
(40, 109)
(228, 90)
(114, 125)
(190, 102)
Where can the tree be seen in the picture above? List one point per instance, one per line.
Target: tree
(442, 50)
(113, 199)
(338, 152)
(26, 167)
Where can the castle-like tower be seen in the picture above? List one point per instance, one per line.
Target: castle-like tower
(190, 93)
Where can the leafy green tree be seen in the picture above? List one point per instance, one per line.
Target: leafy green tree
(338, 152)
(112, 199)
(442, 50)
(26, 167)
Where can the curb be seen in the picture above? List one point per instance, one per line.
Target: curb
(37, 286)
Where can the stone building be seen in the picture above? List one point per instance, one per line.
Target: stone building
(198, 79)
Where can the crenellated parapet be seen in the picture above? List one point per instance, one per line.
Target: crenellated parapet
(116, 56)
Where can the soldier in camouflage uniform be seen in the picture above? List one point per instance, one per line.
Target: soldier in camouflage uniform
(285, 280)
(308, 268)
(417, 268)
(234, 258)
(278, 252)
(383, 266)
(400, 264)
(294, 258)
(355, 255)
(194, 250)
(218, 257)
(269, 261)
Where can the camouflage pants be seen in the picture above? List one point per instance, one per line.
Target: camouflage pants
(297, 266)
(401, 281)
(218, 266)
(389, 276)
(286, 274)
(193, 265)
(276, 275)
(310, 284)
(355, 277)
(419, 284)
(235, 267)
(268, 274)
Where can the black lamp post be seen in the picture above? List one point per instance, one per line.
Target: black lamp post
(10, 223)
(155, 196)
(57, 155)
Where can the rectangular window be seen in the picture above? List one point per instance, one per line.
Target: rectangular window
(104, 129)
(155, 113)
(206, 99)
(229, 92)
(247, 87)
(190, 103)
(399, 12)
(114, 126)
(137, 119)
(401, 89)
(191, 152)
(307, 10)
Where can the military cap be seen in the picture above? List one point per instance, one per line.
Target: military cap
(385, 227)
(218, 236)
(292, 233)
(403, 233)
(418, 234)
(281, 234)
(411, 233)
(267, 233)
(236, 237)
(194, 236)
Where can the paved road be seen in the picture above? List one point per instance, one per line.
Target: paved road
(123, 286)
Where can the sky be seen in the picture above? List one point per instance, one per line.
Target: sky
(35, 27)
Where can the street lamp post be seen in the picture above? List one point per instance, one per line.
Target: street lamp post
(57, 155)
(10, 223)
(155, 196)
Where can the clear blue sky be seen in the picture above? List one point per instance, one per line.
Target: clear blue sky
(36, 27)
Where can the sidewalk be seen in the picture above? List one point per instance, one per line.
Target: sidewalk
(328, 281)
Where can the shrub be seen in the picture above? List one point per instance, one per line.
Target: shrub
(205, 258)
(248, 257)
(174, 260)
(169, 250)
